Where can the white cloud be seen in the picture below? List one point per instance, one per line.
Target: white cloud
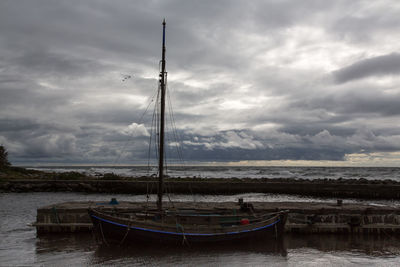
(135, 130)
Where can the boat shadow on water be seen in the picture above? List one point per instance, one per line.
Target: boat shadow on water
(105, 252)
(99, 252)
(368, 245)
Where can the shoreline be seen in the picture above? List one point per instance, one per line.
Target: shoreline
(341, 188)
(21, 180)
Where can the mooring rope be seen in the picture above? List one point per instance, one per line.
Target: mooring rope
(128, 228)
(184, 240)
(102, 234)
(94, 234)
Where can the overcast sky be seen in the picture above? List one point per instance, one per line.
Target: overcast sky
(250, 81)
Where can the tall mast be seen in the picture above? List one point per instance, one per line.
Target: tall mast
(161, 152)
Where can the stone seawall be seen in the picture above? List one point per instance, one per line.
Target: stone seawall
(303, 217)
(319, 188)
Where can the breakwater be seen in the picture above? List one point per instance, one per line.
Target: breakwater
(303, 217)
(342, 188)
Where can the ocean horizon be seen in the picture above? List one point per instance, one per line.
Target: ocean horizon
(254, 172)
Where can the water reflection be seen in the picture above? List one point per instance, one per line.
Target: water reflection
(370, 245)
(19, 245)
(50, 243)
(290, 248)
(155, 253)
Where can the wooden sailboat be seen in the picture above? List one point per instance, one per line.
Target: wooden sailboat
(168, 225)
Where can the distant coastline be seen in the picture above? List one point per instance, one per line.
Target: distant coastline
(17, 179)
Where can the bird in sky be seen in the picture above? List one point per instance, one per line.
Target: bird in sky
(125, 77)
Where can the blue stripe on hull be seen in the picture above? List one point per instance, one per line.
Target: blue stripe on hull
(186, 234)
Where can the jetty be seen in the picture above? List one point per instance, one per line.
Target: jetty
(340, 188)
(303, 217)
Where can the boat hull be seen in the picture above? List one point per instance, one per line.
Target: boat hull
(114, 230)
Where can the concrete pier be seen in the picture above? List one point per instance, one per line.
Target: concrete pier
(303, 217)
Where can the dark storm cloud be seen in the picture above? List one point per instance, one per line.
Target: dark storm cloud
(360, 101)
(368, 23)
(28, 138)
(376, 66)
(249, 145)
(248, 80)
(9, 125)
(42, 62)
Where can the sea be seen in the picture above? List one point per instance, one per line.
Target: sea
(311, 173)
(20, 246)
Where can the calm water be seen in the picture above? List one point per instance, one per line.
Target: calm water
(369, 173)
(20, 246)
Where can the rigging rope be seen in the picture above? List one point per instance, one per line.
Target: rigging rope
(154, 125)
(176, 135)
(140, 122)
(177, 138)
